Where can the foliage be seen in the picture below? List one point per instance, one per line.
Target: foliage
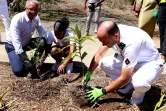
(2, 96)
(79, 39)
(161, 103)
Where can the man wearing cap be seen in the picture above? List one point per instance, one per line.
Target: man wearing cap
(129, 67)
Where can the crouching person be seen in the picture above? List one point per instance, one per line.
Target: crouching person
(129, 67)
(60, 48)
(19, 40)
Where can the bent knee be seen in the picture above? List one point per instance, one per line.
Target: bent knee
(55, 49)
(141, 86)
(20, 73)
(103, 63)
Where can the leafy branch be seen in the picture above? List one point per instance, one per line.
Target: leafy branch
(79, 39)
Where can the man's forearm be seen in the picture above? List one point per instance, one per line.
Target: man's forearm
(115, 85)
(100, 1)
(43, 57)
(85, 2)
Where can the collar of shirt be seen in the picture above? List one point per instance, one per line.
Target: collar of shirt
(26, 17)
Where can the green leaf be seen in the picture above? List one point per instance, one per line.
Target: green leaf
(5, 92)
(71, 55)
(86, 38)
(158, 105)
(72, 38)
(162, 107)
(83, 55)
(77, 31)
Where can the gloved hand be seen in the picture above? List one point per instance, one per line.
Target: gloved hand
(86, 79)
(27, 63)
(29, 66)
(95, 93)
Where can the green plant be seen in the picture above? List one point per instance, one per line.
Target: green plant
(161, 104)
(35, 34)
(79, 39)
(2, 104)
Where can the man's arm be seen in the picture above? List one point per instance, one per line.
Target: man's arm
(98, 3)
(41, 30)
(43, 57)
(72, 49)
(137, 7)
(85, 4)
(95, 61)
(120, 81)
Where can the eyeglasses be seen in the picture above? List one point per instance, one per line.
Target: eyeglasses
(32, 9)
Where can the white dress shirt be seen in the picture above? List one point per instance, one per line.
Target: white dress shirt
(22, 29)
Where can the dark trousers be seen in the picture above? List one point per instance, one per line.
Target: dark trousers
(15, 62)
(162, 27)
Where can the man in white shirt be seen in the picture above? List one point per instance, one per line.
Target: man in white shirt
(135, 53)
(19, 40)
(4, 15)
(58, 51)
(94, 8)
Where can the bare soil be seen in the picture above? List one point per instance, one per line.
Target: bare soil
(64, 92)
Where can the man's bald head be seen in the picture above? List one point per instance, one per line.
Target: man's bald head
(108, 27)
(108, 33)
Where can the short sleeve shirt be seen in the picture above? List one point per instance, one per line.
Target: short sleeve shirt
(93, 1)
(136, 46)
(51, 38)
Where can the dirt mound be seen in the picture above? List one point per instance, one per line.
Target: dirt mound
(64, 93)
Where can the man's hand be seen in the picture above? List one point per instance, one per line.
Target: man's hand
(61, 69)
(94, 94)
(25, 60)
(86, 79)
(137, 14)
(39, 67)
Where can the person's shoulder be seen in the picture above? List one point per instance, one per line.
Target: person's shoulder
(69, 32)
(18, 15)
(122, 25)
(127, 27)
(51, 33)
(17, 18)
